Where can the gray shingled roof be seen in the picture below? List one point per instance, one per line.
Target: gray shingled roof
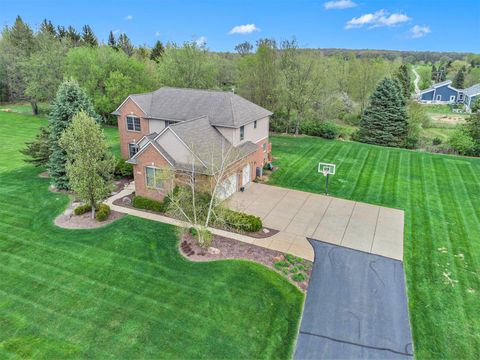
(222, 108)
(208, 144)
(472, 90)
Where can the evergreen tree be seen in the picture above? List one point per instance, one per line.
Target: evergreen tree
(459, 79)
(73, 36)
(403, 77)
(157, 51)
(46, 27)
(38, 150)
(61, 32)
(112, 42)
(385, 121)
(70, 100)
(88, 37)
(125, 44)
(434, 73)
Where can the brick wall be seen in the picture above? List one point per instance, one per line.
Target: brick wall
(150, 157)
(126, 136)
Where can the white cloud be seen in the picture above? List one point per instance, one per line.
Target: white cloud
(201, 41)
(128, 17)
(244, 29)
(339, 4)
(377, 19)
(419, 31)
(157, 33)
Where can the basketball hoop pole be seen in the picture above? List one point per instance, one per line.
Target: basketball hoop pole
(326, 184)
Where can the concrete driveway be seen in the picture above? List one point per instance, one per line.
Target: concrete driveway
(298, 215)
(356, 307)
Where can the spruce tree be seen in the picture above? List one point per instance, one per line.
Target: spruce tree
(70, 100)
(112, 42)
(385, 121)
(46, 27)
(157, 51)
(434, 73)
(403, 77)
(459, 79)
(88, 37)
(125, 44)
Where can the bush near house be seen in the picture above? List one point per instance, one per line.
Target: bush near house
(123, 169)
(82, 209)
(141, 202)
(243, 222)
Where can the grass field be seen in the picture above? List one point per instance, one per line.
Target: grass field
(441, 198)
(122, 291)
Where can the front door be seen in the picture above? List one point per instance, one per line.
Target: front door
(246, 175)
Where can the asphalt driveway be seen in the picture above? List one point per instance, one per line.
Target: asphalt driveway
(356, 307)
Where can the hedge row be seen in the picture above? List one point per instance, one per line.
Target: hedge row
(141, 202)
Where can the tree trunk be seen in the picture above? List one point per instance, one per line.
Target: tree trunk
(287, 127)
(92, 204)
(34, 107)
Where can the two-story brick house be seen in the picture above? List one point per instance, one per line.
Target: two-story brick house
(189, 130)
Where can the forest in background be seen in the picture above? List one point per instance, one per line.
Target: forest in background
(303, 87)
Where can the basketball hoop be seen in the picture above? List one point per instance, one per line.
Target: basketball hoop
(326, 169)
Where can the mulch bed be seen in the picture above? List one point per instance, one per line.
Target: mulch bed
(261, 234)
(84, 221)
(234, 249)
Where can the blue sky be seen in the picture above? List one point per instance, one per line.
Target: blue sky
(436, 25)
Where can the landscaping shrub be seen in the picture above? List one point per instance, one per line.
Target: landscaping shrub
(281, 264)
(436, 141)
(82, 209)
(326, 130)
(299, 277)
(242, 222)
(123, 169)
(103, 210)
(352, 119)
(141, 202)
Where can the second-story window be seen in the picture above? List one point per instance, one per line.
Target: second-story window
(242, 133)
(255, 124)
(132, 149)
(133, 123)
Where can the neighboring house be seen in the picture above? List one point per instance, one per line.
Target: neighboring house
(471, 95)
(445, 93)
(189, 130)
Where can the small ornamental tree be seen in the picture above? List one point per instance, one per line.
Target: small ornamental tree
(70, 100)
(385, 120)
(90, 165)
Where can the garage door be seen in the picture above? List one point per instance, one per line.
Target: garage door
(246, 175)
(228, 187)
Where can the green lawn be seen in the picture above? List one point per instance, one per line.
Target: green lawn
(122, 291)
(441, 198)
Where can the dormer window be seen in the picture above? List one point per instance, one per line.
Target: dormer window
(242, 133)
(133, 123)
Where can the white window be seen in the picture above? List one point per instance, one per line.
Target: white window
(133, 123)
(154, 178)
(132, 149)
(242, 133)
(452, 98)
(264, 146)
(255, 124)
(439, 97)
